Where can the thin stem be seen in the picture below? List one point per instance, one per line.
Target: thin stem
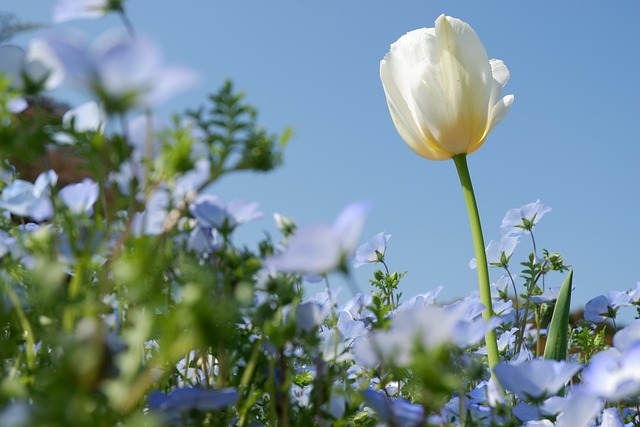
(515, 295)
(481, 257)
(127, 23)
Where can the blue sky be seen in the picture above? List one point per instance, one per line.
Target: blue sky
(571, 138)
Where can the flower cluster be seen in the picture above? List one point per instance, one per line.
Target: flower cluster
(125, 298)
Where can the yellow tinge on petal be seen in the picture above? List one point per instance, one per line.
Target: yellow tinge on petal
(441, 89)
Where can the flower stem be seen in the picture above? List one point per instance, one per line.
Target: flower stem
(478, 244)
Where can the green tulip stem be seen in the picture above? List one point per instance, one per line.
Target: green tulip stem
(481, 258)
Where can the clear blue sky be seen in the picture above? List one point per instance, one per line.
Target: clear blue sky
(571, 139)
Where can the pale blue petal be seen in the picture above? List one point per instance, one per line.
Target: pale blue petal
(311, 250)
(81, 197)
(349, 224)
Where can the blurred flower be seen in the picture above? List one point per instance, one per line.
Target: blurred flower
(68, 10)
(181, 401)
(124, 73)
(6, 243)
(284, 224)
(536, 379)
(575, 410)
(309, 315)
(628, 336)
(613, 374)
(80, 197)
(611, 418)
(430, 327)
(23, 198)
(634, 294)
(396, 412)
(17, 105)
(547, 296)
(372, 251)
(442, 90)
(523, 219)
(498, 253)
(87, 117)
(322, 248)
(35, 70)
(203, 240)
(578, 410)
(604, 307)
(151, 220)
(421, 300)
(210, 211)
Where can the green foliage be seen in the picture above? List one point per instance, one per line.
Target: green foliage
(558, 335)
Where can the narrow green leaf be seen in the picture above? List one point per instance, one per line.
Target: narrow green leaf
(558, 336)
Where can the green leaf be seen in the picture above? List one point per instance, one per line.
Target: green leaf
(558, 337)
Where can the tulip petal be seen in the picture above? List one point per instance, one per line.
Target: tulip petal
(442, 90)
(455, 94)
(397, 69)
(499, 71)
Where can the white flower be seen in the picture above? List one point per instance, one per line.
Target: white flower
(321, 248)
(442, 90)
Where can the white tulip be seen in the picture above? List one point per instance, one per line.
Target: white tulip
(442, 90)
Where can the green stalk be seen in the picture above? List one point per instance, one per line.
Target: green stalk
(481, 257)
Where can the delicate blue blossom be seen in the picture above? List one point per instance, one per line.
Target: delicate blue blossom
(498, 253)
(203, 240)
(611, 418)
(604, 307)
(547, 296)
(151, 220)
(421, 300)
(80, 198)
(396, 412)
(372, 251)
(36, 69)
(87, 117)
(322, 248)
(181, 401)
(210, 211)
(25, 199)
(68, 10)
(613, 374)
(124, 72)
(430, 327)
(628, 336)
(309, 315)
(6, 243)
(536, 379)
(522, 219)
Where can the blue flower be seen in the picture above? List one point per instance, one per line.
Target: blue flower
(535, 379)
(184, 400)
(523, 219)
(69, 10)
(124, 72)
(498, 253)
(80, 197)
(210, 211)
(613, 374)
(396, 412)
(322, 248)
(23, 198)
(604, 307)
(372, 251)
